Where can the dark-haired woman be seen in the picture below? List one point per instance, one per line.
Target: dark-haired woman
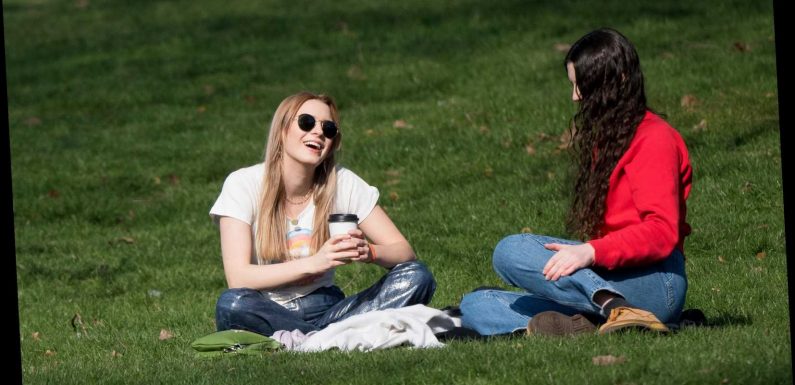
(279, 258)
(633, 177)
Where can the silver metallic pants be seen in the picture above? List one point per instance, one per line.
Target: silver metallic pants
(406, 284)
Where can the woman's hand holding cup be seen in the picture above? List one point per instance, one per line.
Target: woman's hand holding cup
(337, 251)
(362, 246)
(347, 224)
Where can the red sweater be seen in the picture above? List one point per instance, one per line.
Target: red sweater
(645, 212)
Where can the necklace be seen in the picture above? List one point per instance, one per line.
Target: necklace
(302, 201)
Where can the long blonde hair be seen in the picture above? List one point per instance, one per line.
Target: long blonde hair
(271, 236)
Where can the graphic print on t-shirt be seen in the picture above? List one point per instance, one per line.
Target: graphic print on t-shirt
(298, 240)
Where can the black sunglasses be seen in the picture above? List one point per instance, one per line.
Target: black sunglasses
(307, 122)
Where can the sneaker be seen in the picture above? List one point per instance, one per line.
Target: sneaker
(628, 317)
(552, 323)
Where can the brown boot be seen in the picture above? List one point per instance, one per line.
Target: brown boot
(552, 323)
(624, 317)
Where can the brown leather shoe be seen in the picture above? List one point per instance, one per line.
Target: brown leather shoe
(624, 317)
(552, 323)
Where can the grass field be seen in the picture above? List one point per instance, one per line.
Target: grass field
(125, 118)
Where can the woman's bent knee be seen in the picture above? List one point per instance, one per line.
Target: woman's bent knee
(507, 254)
(231, 299)
(416, 272)
(415, 276)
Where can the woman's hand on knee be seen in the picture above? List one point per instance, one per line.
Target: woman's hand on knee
(567, 259)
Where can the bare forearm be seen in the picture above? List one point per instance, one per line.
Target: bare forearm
(393, 254)
(236, 251)
(263, 277)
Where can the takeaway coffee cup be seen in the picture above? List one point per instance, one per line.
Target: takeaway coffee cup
(341, 223)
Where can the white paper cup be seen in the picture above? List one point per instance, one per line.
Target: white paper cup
(341, 223)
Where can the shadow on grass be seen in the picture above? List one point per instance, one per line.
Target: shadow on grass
(726, 319)
(690, 318)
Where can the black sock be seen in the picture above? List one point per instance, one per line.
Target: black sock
(613, 303)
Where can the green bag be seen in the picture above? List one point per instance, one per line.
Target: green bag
(234, 342)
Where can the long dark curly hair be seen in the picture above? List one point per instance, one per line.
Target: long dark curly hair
(612, 104)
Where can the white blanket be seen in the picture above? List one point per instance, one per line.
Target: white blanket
(413, 325)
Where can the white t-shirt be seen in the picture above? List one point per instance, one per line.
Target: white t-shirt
(239, 199)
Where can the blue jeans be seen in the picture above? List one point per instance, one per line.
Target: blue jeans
(519, 260)
(406, 284)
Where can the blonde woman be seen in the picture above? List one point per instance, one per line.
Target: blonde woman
(278, 257)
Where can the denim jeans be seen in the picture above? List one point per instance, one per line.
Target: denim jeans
(519, 260)
(406, 284)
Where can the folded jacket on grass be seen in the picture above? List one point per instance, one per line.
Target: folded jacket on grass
(414, 325)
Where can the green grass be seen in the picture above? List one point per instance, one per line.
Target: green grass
(125, 118)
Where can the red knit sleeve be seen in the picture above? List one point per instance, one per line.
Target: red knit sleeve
(653, 176)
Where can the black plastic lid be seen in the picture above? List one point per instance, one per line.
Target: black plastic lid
(343, 218)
